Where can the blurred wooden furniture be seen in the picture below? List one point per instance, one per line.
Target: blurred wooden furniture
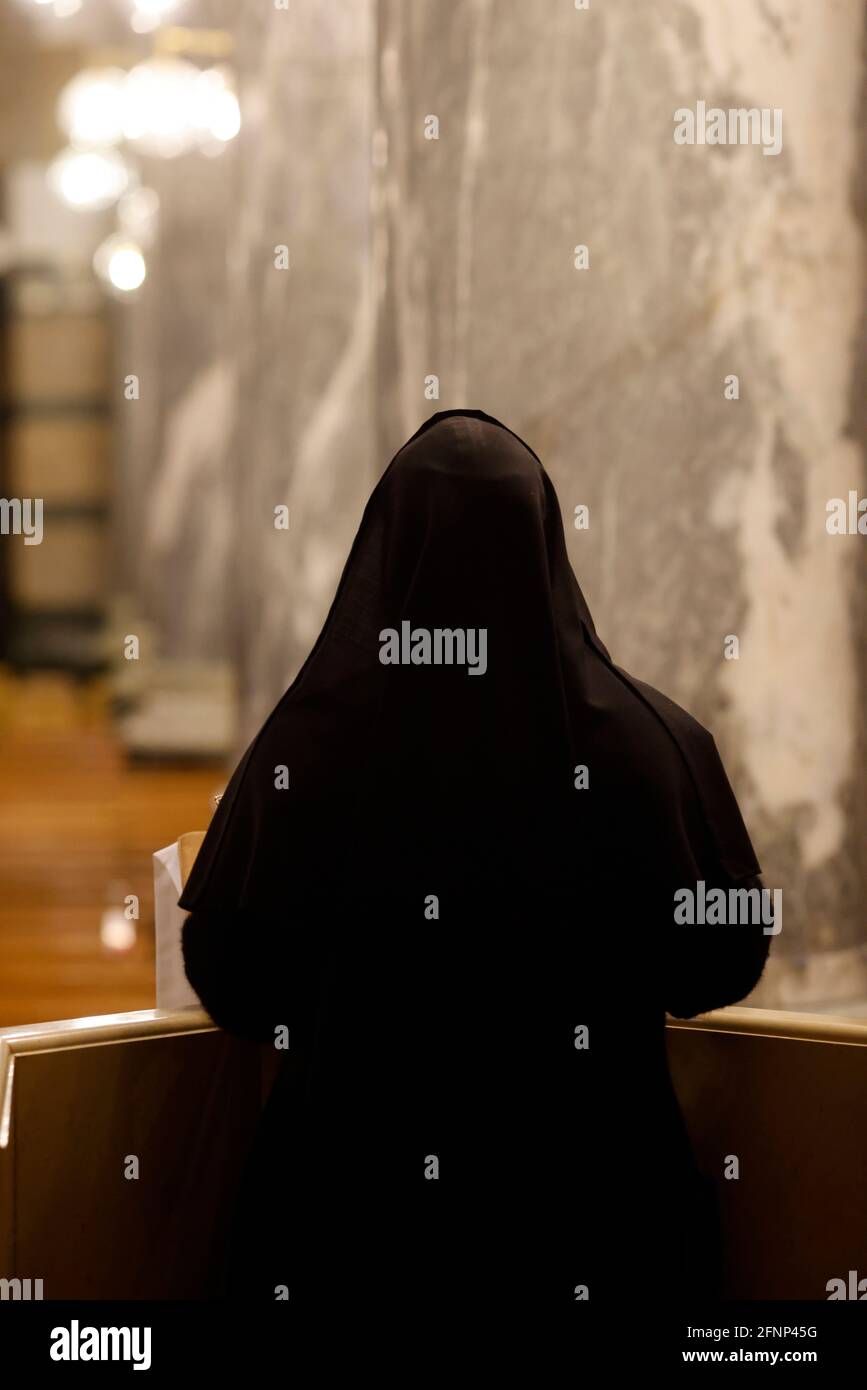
(786, 1094)
(56, 445)
(80, 1103)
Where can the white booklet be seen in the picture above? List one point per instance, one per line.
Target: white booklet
(174, 990)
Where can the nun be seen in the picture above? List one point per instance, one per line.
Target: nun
(449, 885)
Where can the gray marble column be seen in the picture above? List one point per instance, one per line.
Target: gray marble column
(707, 514)
(255, 379)
(434, 170)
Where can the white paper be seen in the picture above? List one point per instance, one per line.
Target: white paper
(174, 990)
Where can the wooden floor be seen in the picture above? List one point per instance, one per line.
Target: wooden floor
(78, 826)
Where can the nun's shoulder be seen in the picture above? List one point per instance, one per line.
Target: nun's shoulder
(701, 755)
(684, 724)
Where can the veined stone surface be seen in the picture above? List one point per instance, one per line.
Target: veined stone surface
(707, 514)
(454, 258)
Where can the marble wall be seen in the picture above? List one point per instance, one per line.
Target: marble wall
(449, 263)
(707, 514)
(255, 341)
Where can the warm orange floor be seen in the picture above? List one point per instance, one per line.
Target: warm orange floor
(78, 827)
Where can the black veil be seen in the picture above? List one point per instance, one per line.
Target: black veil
(434, 878)
(463, 531)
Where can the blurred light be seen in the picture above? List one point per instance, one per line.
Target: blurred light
(159, 114)
(149, 14)
(144, 23)
(64, 8)
(90, 108)
(155, 8)
(216, 106)
(213, 149)
(92, 179)
(116, 931)
(138, 215)
(120, 263)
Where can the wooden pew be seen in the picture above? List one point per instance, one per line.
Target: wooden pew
(79, 1101)
(783, 1093)
(786, 1094)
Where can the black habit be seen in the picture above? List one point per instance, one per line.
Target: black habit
(455, 889)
